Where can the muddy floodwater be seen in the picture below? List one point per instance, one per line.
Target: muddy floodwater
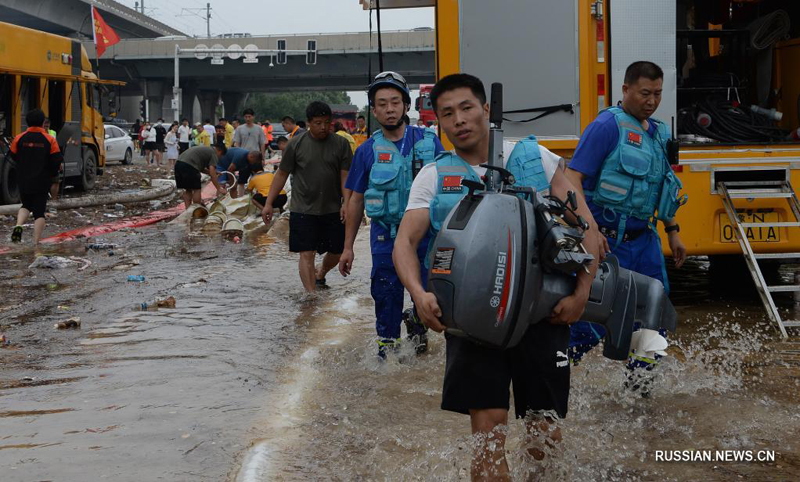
(246, 379)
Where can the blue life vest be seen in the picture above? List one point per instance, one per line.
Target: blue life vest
(525, 163)
(635, 179)
(391, 176)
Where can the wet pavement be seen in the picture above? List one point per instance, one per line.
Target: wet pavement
(248, 379)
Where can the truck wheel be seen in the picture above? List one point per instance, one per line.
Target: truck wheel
(89, 175)
(9, 191)
(128, 157)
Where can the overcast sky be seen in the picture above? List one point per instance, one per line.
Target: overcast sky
(268, 17)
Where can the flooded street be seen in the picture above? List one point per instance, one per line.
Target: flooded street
(246, 379)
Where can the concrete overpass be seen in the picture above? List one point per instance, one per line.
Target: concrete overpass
(71, 18)
(342, 63)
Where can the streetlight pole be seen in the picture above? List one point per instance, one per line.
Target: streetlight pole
(176, 88)
(208, 20)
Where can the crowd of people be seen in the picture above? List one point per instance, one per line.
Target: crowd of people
(406, 183)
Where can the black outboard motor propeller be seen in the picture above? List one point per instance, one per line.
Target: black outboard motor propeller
(506, 255)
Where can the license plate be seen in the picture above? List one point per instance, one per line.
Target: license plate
(766, 234)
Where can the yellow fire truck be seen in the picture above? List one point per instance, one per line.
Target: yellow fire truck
(731, 89)
(52, 73)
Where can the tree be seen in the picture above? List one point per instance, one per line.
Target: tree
(276, 106)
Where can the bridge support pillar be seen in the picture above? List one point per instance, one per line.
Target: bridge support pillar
(208, 104)
(188, 94)
(154, 94)
(233, 105)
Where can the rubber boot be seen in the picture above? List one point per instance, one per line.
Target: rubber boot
(416, 331)
(386, 345)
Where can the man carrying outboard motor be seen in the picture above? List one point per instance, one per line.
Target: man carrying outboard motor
(509, 272)
(477, 377)
(380, 177)
(622, 166)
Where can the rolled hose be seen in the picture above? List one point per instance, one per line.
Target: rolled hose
(729, 123)
(769, 29)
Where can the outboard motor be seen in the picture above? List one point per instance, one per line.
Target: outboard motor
(505, 256)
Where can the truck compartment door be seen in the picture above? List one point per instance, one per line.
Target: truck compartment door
(531, 46)
(644, 31)
(69, 141)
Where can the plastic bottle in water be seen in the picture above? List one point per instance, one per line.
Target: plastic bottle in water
(100, 246)
(137, 278)
(145, 307)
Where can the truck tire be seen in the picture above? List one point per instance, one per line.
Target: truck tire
(128, 158)
(88, 177)
(9, 190)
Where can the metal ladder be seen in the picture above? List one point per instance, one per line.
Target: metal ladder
(763, 190)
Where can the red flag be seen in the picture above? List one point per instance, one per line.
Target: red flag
(104, 36)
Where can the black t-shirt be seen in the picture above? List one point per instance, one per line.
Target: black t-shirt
(160, 134)
(38, 158)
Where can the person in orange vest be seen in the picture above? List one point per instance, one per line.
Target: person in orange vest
(38, 159)
(267, 126)
(360, 134)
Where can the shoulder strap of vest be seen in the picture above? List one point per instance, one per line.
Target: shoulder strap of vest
(447, 158)
(428, 135)
(427, 140)
(448, 163)
(531, 147)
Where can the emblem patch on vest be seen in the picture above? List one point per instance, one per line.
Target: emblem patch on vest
(385, 157)
(634, 139)
(451, 184)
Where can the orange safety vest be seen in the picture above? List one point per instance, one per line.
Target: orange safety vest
(360, 136)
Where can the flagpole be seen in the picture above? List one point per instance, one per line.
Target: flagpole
(94, 36)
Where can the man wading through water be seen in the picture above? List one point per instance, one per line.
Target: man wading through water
(627, 207)
(477, 378)
(318, 162)
(384, 166)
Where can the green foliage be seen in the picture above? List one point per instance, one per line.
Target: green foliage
(275, 106)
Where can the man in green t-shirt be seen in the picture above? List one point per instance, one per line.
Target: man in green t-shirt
(318, 163)
(190, 164)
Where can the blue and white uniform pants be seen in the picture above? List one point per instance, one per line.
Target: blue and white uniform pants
(388, 293)
(642, 255)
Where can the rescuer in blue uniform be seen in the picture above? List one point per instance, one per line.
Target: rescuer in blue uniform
(622, 167)
(380, 178)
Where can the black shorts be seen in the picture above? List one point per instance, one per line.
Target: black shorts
(149, 146)
(35, 202)
(478, 377)
(186, 176)
(279, 203)
(244, 176)
(161, 147)
(321, 233)
(182, 146)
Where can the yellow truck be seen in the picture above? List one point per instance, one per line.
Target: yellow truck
(52, 73)
(566, 60)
